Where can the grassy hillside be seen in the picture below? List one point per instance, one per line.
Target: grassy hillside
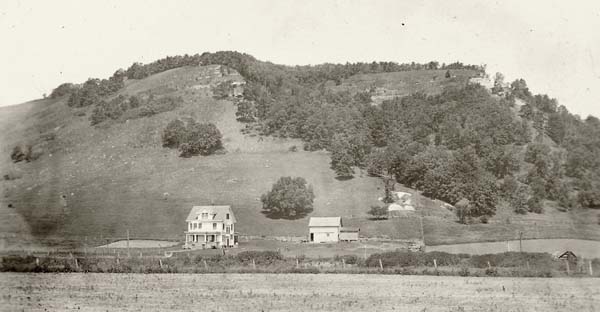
(116, 176)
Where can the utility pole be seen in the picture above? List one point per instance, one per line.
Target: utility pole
(419, 206)
(128, 243)
(520, 241)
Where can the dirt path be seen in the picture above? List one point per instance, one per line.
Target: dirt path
(308, 292)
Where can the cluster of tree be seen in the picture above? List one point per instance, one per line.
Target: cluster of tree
(568, 171)
(94, 89)
(144, 106)
(192, 138)
(289, 198)
(62, 90)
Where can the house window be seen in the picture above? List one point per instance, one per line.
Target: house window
(227, 216)
(214, 226)
(223, 226)
(327, 234)
(205, 215)
(195, 226)
(199, 225)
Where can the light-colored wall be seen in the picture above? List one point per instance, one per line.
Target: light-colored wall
(207, 226)
(349, 236)
(320, 233)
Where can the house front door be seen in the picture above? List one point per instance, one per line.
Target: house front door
(227, 242)
(312, 237)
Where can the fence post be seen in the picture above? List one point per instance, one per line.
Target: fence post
(297, 265)
(380, 264)
(76, 264)
(435, 263)
(205, 264)
(253, 264)
(37, 261)
(489, 265)
(591, 270)
(528, 265)
(160, 262)
(568, 269)
(343, 263)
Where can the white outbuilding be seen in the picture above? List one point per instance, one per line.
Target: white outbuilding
(324, 229)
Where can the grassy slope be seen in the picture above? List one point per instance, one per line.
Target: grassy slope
(115, 175)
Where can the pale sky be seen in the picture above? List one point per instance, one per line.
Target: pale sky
(553, 45)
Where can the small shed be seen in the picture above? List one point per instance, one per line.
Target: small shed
(568, 256)
(324, 229)
(348, 234)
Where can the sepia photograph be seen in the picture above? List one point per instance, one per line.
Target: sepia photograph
(283, 155)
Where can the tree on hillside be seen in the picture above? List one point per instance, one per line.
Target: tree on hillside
(520, 90)
(290, 198)
(62, 90)
(448, 74)
(174, 134)
(463, 210)
(518, 200)
(498, 83)
(246, 111)
(378, 212)
(389, 188)
(202, 138)
(556, 128)
(192, 138)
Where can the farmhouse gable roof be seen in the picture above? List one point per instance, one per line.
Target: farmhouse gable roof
(325, 221)
(215, 213)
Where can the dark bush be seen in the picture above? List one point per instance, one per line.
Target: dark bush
(512, 259)
(25, 152)
(348, 259)
(266, 257)
(192, 138)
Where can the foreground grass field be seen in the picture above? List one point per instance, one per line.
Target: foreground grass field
(301, 292)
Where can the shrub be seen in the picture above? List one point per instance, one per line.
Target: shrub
(25, 152)
(379, 212)
(348, 259)
(491, 272)
(266, 257)
(192, 138)
(222, 90)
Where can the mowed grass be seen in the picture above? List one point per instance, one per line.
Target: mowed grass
(298, 292)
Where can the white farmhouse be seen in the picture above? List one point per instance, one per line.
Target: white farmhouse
(210, 227)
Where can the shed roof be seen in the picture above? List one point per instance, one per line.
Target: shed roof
(349, 230)
(325, 221)
(216, 213)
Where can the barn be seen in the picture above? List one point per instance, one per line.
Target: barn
(324, 229)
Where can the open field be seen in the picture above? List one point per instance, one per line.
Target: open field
(139, 243)
(582, 248)
(300, 292)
